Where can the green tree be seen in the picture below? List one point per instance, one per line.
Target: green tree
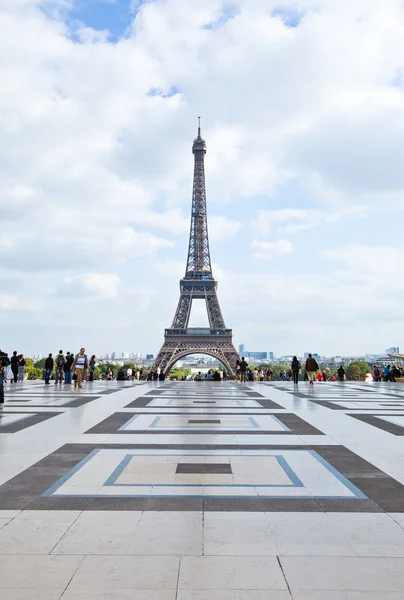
(40, 364)
(32, 370)
(180, 373)
(357, 369)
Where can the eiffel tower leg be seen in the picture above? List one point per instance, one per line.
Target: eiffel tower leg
(215, 316)
(182, 314)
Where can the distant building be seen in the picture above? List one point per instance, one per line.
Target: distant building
(241, 349)
(259, 355)
(271, 355)
(393, 350)
(149, 356)
(314, 355)
(113, 356)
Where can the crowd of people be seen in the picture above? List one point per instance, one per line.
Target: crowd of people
(72, 368)
(65, 369)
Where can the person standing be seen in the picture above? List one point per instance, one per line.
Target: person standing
(68, 367)
(21, 367)
(79, 367)
(14, 366)
(4, 362)
(311, 368)
(296, 366)
(243, 369)
(48, 368)
(92, 365)
(238, 370)
(60, 363)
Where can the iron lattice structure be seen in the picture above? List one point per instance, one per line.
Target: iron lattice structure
(198, 283)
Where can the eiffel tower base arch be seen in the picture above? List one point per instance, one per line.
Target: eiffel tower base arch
(180, 343)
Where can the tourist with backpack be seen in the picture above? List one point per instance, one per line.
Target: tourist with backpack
(60, 363)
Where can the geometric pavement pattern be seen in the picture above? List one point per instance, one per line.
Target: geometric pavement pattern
(202, 490)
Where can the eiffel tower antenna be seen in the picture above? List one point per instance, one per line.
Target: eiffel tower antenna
(198, 283)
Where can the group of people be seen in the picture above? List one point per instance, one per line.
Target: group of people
(69, 368)
(386, 373)
(13, 368)
(243, 373)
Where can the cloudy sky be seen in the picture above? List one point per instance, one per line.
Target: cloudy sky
(302, 106)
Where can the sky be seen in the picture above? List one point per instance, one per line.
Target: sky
(302, 107)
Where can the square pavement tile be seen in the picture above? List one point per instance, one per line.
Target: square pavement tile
(342, 574)
(233, 595)
(231, 572)
(109, 573)
(37, 572)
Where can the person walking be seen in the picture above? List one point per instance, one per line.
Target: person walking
(386, 371)
(341, 373)
(296, 366)
(311, 368)
(79, 367)
(243, 369)
(14, 367)
(68, 367)
(60, 363)
(92, 365)
(48, 368)
(21, 367)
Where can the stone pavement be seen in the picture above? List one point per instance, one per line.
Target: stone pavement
(202, 491)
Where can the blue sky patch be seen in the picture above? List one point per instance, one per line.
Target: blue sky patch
(113, 15)
(172, 91)
(290, 17)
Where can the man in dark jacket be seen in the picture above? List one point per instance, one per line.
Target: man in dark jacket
(243, 369)
(68, 367)
(295, 369)
(48, 368)
(311, 368)
(14, 366)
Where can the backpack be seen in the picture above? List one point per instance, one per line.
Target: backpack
(60, 361)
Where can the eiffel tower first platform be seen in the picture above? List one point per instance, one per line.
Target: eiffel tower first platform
(198, 283)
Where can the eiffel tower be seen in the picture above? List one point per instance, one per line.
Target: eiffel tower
(198, 283)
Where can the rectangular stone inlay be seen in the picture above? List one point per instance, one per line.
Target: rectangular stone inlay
(204, 421)
(204, 402)
(224, 468)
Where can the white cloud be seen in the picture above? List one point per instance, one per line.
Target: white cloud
(267, 250)
(95, 170)
(93, 285)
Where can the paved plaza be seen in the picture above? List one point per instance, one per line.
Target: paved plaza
(202, 491)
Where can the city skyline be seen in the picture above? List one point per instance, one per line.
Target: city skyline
(304, 180)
